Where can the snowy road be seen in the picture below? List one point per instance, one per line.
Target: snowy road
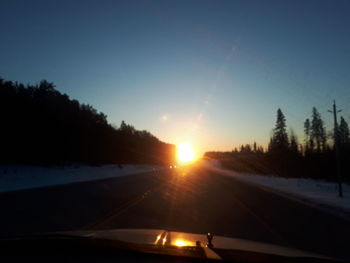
(192, 199)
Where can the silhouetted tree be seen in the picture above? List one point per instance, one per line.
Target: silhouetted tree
(246, 148)
(279, 139)
(307, 128)
(344, 144)
(39, 125)
(317, 132)
(293, 142)
(255, 148)
(344, 135)
(287, 160)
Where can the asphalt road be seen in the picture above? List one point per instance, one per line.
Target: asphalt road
(189, 199)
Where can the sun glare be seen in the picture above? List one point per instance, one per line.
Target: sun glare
(185, 153)
(180, 243)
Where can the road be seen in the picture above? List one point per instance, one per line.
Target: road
(190, 199)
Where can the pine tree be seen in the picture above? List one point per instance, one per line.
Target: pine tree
(293, 142)
(279, 140)
(126, 128)
(307, 134)
(344, 134)
(317, 132)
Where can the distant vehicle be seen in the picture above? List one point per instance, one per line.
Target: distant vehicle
(149, 245)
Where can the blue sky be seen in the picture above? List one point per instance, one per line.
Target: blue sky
(212, 73)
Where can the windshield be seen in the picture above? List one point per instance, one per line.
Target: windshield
(222, 117)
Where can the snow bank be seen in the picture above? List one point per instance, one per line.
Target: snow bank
(318, 191)
(15, 177)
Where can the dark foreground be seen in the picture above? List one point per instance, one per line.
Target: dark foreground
(188, 200)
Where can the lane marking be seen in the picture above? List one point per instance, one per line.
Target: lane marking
(121, 209)
(107, 218)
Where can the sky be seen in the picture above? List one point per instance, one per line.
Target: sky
(211, 73)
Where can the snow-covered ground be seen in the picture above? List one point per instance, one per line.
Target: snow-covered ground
(21, 177)
(319, 192)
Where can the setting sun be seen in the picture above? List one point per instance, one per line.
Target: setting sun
(185, 153)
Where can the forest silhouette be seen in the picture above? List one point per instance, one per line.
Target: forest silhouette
(315, 157)
(40, 125)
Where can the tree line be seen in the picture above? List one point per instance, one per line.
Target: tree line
(40, 125)
(286, 156)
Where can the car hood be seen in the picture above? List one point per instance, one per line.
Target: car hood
(159, 238)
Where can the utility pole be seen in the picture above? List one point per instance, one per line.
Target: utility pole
(336, 147)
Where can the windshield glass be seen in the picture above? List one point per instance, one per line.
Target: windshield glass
(197, 116)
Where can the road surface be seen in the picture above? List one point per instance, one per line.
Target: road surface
(190, 199)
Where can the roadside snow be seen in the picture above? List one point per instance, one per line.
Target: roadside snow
(19, 177)
(318, 191)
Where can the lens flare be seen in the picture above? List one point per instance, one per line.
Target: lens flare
(185, 153)
(180, 243)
